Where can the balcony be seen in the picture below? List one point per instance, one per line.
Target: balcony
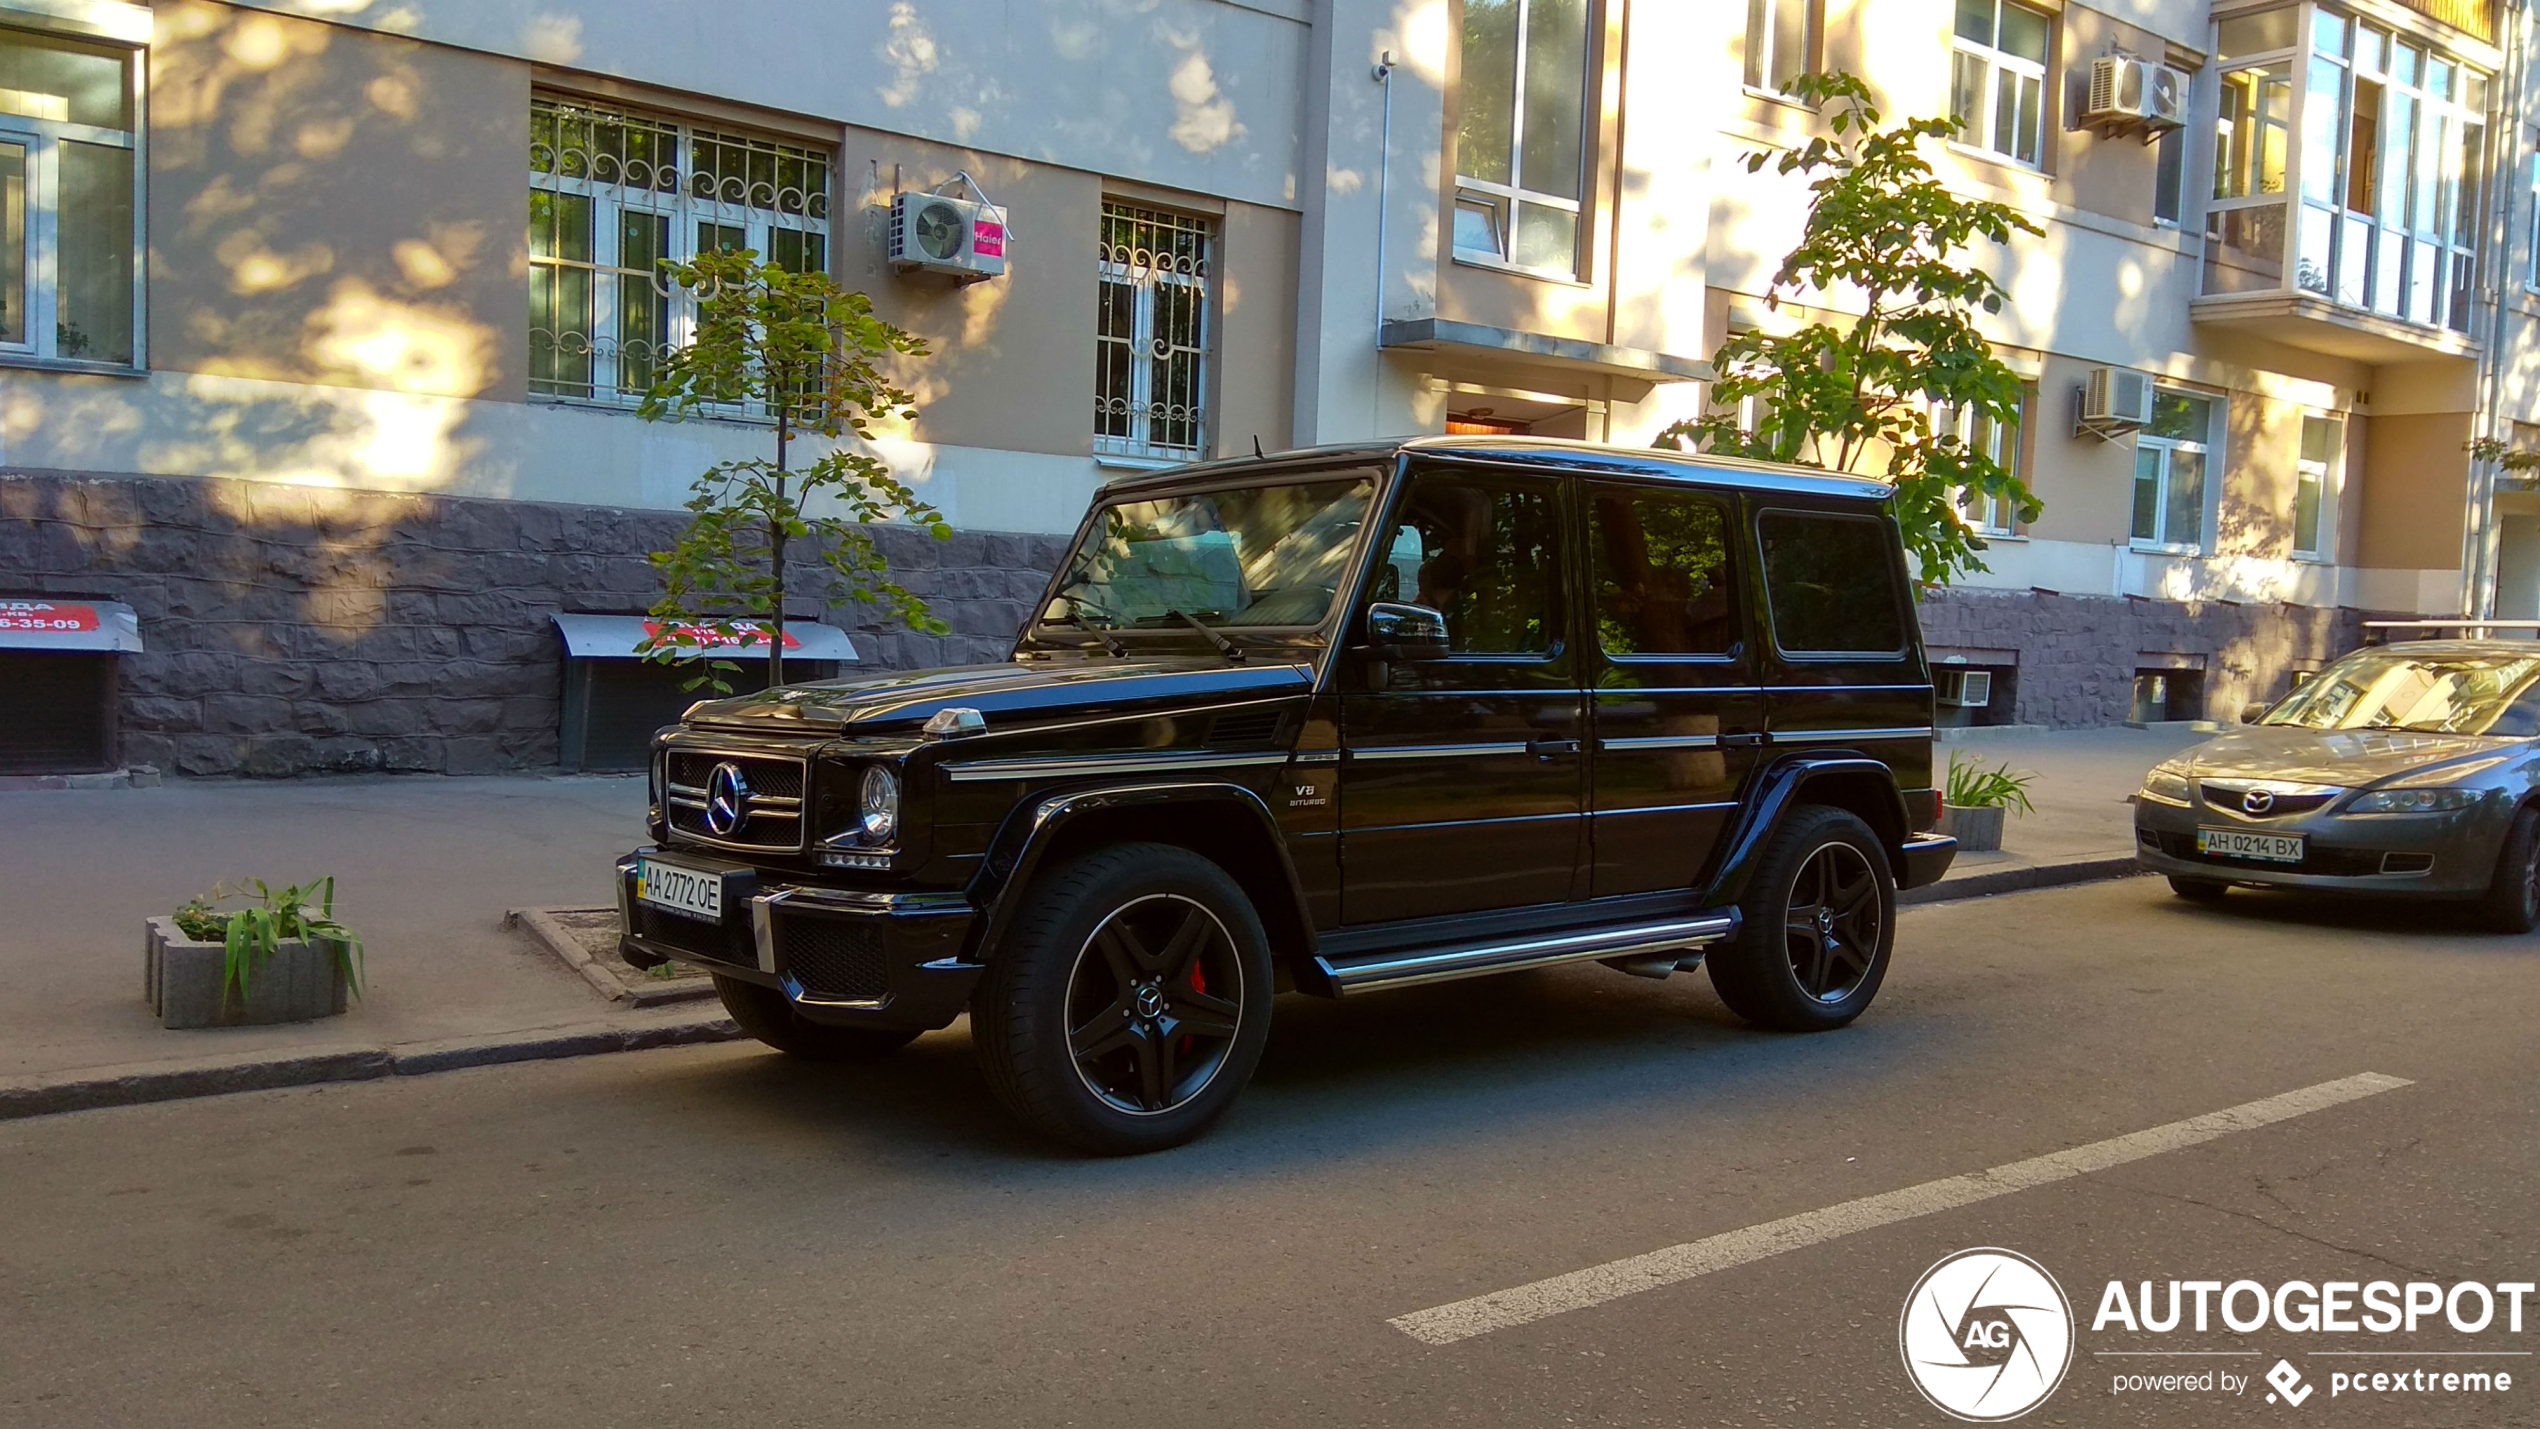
(2348, 163)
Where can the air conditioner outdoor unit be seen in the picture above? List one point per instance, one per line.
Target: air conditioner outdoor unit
(937, 233)
(2114, 401)
(2134, 96)
(1965, 689)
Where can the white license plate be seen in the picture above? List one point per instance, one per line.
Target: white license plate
(681, 890)
(2241, 843)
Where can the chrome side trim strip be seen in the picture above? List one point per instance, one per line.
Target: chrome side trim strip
(1442, 964)
(1319, 756)
(1438, 751)
(1845, 736)
(984, 770)
(1639, 743)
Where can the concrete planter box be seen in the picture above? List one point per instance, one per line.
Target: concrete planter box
(1976, 830)
(302, 981)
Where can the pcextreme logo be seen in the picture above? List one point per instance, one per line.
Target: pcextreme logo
(1987, 1335)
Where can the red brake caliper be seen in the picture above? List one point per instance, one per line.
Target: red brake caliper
(1199, 983)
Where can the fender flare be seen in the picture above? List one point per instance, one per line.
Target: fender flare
(1777, 790)
(1023, 844)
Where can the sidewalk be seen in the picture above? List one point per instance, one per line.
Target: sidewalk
(426, 867)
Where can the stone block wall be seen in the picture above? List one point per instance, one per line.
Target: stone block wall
(301, 630)
(2077, 655)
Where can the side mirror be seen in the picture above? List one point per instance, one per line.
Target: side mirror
(2254, 711)
(1398, 631)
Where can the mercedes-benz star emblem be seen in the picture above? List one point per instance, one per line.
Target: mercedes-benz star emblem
(2257, 801)
(727, 800)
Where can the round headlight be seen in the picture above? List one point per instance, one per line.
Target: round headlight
(880, 817)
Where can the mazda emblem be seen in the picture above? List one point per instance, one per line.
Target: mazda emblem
(727, 800)
(2255, 803)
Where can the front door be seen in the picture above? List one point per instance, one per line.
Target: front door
(1463, 780)
(1674, 707)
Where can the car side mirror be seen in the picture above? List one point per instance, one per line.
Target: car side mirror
(1403, 632)
(2254, 711)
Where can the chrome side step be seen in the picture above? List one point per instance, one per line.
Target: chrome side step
(1440, 964)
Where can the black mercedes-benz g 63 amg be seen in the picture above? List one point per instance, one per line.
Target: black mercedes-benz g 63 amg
(1330, 721)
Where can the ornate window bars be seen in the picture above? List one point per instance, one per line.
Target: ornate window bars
(613, 195)
(1151, 370)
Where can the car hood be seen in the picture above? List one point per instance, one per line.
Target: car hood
(1004, 693)
(2350, 758)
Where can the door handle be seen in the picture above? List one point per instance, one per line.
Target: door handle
(1546, 748)
(1751, 739)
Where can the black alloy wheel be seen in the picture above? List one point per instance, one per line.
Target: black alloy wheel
(1126, 1007)
(1816, 926)
(1146, 1032)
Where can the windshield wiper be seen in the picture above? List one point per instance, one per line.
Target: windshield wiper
(1076, 617)
(1234, 653)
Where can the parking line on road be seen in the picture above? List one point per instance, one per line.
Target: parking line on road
(1580, 1289)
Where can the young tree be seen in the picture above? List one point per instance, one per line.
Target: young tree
(1882, 227)
(807, 354)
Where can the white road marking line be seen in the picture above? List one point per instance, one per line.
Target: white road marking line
(1580, 1289)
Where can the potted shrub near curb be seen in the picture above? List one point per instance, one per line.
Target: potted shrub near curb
(284, 960)
(1976, 801)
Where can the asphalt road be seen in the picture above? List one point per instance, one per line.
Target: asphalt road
(721, 1236)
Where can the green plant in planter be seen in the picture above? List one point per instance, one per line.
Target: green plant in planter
(1972, 786)
(249, 936)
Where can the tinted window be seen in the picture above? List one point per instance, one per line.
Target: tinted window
(1486, 554)
(1832, 583)
(1662, 573)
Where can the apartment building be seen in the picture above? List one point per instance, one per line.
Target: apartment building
(322, 321)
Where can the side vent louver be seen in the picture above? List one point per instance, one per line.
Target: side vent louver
(1244, 727)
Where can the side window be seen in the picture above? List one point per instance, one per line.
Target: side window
(1832, 584)
(1487, 555)
(1663, 583)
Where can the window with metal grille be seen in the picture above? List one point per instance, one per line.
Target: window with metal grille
(614, 195)
(1151, 369)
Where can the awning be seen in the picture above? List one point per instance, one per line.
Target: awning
(614, 637)
(30, 622)
(1507, 346)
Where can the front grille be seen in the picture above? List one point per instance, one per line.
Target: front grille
(772, 816)
(834, 957)
(723, 942)
(2328, 862)
(2228, 801)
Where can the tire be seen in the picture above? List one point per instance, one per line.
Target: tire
(2199, 890)
(765, 1014)
(1129, 1004)
(2512, 901)
(1812, 977)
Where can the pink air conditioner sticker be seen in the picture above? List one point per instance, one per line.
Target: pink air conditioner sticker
(987, 239)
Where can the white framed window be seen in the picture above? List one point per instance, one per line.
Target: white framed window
(2169, 179)
(1782, 38)
(2315, 487)
(2531, 269)
(614, 194)
(70, 202)
(1521, 134)
(1153, 333)
(1985, 515)
(2171, 458)
(1997, 77)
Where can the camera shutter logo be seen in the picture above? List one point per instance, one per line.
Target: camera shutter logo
(727, 800)
(1987, 1335)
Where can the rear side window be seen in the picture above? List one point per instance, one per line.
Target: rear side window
(1662, 572)
(1831, 581)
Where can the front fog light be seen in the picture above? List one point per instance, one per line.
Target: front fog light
(881, 814)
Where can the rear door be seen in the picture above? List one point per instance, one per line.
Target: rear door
(1674, 706)
(1463, 783)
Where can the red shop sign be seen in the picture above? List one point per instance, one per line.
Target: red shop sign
(46, 617)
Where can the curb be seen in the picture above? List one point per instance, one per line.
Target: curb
(2095, 869)
(95, 1087)
(544, 930)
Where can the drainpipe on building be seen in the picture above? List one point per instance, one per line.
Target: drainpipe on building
(2480, 546)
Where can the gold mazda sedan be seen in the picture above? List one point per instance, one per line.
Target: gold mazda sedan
(2408, 771)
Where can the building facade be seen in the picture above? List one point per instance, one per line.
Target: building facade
(322, 321)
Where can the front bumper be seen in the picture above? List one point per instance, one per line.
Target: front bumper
(840, 956)
(2445, 855)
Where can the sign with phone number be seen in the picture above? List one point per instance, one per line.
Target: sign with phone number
(46, 618)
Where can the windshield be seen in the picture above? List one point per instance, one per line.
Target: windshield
(1261, 555)
(2430, 694)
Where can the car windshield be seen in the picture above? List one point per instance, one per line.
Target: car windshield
(1245, 556)
(2491, 694)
